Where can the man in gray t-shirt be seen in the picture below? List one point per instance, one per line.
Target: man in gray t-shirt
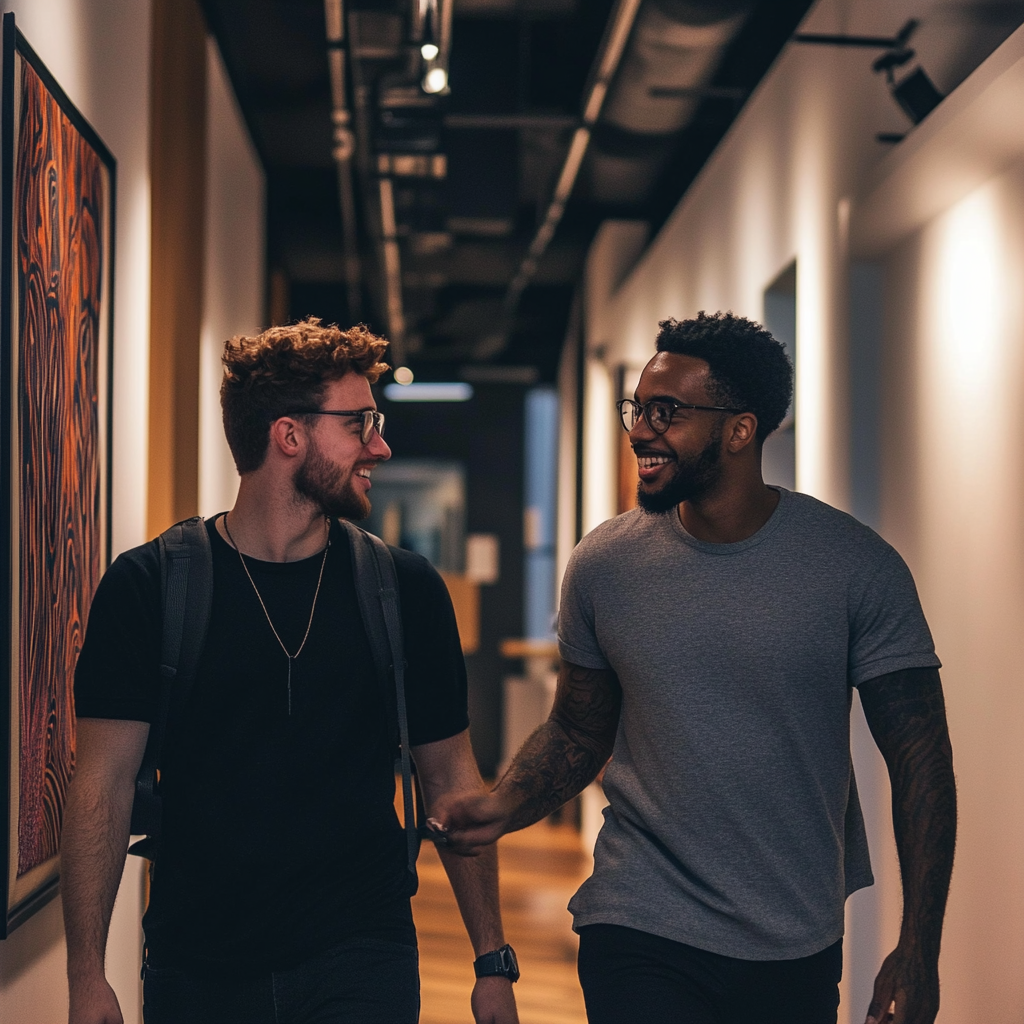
(710, 640)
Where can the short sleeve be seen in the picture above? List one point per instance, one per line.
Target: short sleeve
(435, 673)
(117, 675)
(577, 639)
(888, 631)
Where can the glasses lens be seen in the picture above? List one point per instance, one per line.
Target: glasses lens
(629, 412)
(659, 416)
(372, 420)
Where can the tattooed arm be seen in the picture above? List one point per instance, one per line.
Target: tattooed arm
(907, 717)
(558, 761)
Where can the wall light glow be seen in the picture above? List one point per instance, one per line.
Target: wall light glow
(455, 391)
(967, 296)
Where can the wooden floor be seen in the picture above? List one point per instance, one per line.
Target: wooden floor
(541, 867)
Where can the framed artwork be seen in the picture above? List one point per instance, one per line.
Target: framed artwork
(57, 188)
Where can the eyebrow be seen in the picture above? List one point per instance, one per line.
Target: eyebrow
(662, 398)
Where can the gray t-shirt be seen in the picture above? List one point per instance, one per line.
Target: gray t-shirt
(734, 824)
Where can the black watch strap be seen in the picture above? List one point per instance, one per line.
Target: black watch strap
(498, 963)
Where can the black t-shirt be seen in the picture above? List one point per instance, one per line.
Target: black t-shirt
(280, 837)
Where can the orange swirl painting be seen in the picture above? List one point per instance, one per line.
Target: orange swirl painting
(58, 373)
(59, 196)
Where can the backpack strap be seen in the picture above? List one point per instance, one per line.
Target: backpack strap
(377, 588)
(186, 587)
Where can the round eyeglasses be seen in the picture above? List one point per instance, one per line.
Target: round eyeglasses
(372, 419)
(659, 412)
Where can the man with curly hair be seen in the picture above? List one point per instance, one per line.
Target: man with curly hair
(710, 642)
(280, 889)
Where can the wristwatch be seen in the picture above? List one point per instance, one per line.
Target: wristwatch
(498, 963)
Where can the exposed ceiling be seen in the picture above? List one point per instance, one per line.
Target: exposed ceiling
(468, 214)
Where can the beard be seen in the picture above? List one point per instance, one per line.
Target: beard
(328, 487)
(692, 478)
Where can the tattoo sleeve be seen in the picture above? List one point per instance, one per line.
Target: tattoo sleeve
(565, 754)
(907, 717)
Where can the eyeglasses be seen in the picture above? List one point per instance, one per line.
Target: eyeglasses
(372, 419)
(659, 413)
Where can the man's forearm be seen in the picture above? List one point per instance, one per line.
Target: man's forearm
(474, 881)
(906, 714)
(552, 767)
(93, 845)
(565, 754)
(924, 822)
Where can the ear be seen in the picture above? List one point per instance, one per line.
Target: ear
(288, 437)
(741, 433)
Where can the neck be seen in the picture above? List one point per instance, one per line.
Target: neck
(268, 523)
(731, 511)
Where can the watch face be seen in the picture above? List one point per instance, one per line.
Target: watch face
(510, 963)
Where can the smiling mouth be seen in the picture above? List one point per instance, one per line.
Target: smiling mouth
(365, 473)
(651, 461)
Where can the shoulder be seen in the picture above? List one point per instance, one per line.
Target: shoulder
(613, 540)
(837, 530)
(612, 533)
(417, 578)
(134, 568)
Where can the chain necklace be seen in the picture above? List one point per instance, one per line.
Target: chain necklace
(309, 625)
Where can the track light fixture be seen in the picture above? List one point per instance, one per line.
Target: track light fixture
(915, 93)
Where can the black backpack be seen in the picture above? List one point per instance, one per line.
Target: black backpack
(186, 578)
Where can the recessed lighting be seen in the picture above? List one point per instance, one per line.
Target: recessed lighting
(455, 391)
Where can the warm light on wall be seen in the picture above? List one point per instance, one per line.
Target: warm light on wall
(967, 297)
(599, 447)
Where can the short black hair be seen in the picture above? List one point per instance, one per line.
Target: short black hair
(749, 368)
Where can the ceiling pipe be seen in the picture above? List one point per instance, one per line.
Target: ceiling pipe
(607, 63)
(342, 150)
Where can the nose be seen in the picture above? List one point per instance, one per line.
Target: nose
(378, 447)
(641, 432)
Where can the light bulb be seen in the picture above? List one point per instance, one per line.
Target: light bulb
(435, 80)
(403, 375)
(429, 51)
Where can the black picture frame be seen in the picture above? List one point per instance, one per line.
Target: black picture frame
(57, 199)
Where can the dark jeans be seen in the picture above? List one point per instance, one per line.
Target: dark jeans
(363, 981)
(630, 976)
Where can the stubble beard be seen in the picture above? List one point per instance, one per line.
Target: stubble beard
(325, 485)
(692, 478)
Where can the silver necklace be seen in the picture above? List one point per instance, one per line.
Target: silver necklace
(270, 623)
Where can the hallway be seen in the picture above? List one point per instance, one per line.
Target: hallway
(541, 867)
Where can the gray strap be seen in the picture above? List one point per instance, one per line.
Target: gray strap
(377, 587)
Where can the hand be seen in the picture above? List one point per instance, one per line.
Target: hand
(909, 981)
(93, 1002)
(493, 1001)
(470, 820)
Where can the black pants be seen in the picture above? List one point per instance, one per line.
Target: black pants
(364, 981)
(630, 976)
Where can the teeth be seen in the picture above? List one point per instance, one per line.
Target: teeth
(649, 461)
(363, 472)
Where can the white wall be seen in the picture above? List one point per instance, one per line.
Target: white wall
(800, 175)
(233, 300)
(99, 52)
